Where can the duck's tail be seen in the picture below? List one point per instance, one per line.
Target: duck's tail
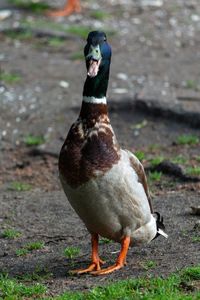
(160, 226)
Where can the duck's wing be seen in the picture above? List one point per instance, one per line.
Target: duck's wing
(139, 169)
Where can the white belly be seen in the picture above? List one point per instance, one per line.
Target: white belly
(114, 204)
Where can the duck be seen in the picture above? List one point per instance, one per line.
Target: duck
(70, 7)
(105, 184)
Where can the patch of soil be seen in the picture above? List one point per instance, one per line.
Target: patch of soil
(49, 217)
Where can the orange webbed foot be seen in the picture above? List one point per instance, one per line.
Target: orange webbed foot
(71, 7)
(108, 270)
(121, 261)
(94, 266)
(96, 261)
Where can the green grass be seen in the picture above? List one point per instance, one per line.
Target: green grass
(82, 31)
(33, 6)
(140, 155)
(155, 176)
(12, 289)
(193, 171)
(11, 233)
(9, 77)
(77, 55)
(104, 241)
(140, 125)
(32, 140)
(174, 287)
(190, 273)
(55, 42)
(71, 252)
(99, 15)
(21, 252)
(170, 288)
(156, 160)
(196, 239)
(179, 159)
(25, 34)
(39, 23)
(77, 30)
(191, 84)
(20, 186)
(197, 158)
(154, 147)
(34, 245)
(29, 247)
(39, 274)
(187, 139)
(147, 265)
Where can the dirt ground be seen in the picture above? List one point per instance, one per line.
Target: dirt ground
(157, 47)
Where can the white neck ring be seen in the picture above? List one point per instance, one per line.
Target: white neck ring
(94, 100)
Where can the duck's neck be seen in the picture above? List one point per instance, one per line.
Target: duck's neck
(94, 102)
(96, 87)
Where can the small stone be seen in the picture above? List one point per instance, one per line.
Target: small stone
(15, 131)
(17, 44)
(120, 91)
(18, 119)
(195, 18)
(136, 21)
(38, 89)
(49, 129)
(2, 89)
(32, 106)
(22, 110)
(64, 84)
(21, 97)
(173, 22)
(141, 80)
(97, 24)
(136, 132)
(122, 76)
(2, 56)
(4, 14)
(155, 3)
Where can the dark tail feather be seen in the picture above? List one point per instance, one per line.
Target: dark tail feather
(160, 226)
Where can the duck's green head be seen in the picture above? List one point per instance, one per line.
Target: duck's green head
(97, 54)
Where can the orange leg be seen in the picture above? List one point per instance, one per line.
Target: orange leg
(121, 260)
(96, 261)
(70, 7)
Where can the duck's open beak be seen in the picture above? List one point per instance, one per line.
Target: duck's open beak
(93, 67)
(94, 58)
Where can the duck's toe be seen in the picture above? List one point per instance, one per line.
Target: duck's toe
(108, 270)
(93, 267)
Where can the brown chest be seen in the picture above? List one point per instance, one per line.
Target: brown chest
(87, 152)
